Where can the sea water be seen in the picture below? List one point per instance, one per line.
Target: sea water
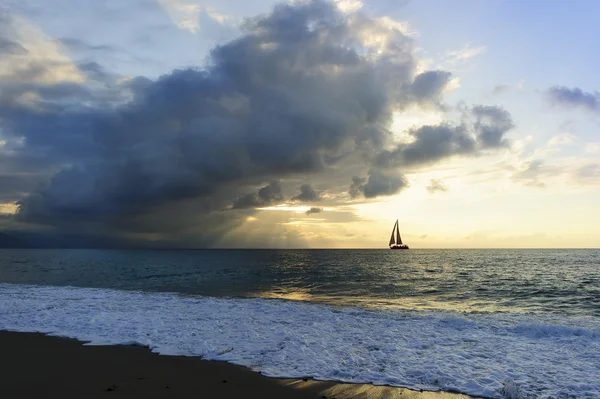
(490, 323)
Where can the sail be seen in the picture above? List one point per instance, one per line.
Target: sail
(392, 242)
(395, 239)
(398, 238)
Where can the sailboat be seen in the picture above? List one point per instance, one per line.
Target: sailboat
(396, 242)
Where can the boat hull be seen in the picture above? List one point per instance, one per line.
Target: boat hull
(399, 247)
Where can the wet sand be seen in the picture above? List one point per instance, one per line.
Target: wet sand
(38, 366)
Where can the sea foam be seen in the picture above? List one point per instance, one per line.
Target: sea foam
(496, 356)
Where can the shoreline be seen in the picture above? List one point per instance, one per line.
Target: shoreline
(48, 366)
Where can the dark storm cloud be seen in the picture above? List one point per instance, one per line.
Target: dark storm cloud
(267, 195)
(383, 183)
(297, 95)
(575, 97)
(314, 210)
(434, 143)
(356, 188)
(307, 194)
(282, 99)
(431, 143)
(14, 185)
(379, 183)
(429, 85)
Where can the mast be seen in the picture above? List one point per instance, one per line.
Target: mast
(392, 242)
(398, 238)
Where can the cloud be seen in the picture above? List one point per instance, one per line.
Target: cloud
(592, 148)
(357, 186)
(534, 173)
(281, 100)
(305, 92)
(436, 185)
(28, 55)
(314, 210)
(186, 13)
(349, 6)
(505, 88)
(561, 140)
(589, 173)
(500, 89)
(491, 125)
(12, 48)
(430, 85)
(463, 54)
(530, 174)
(575, 97)
(14, 185)
(542, 173)
(79, 45)
(307, 194)
(266, 196)
(377, 184)
(432, 143)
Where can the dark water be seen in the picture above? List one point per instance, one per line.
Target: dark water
(502, 324)
(522, 281)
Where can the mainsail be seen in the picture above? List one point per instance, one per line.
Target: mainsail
(398, 238)
(392, 242)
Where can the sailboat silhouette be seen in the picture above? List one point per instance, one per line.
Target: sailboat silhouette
(396, 242)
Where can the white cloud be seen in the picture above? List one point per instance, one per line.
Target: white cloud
(520, 145)
(403, 26)
(561, 140)
(186, 13)
(592, 148)
(349, 6)
(453, 84)
(40, 54)
(465, 53)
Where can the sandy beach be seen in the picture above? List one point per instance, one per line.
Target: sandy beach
(39, 366)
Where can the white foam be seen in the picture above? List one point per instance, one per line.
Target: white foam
(497, 356)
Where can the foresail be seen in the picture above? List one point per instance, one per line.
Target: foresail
(398, 239)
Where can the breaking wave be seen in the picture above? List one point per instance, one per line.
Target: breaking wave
(495, 356)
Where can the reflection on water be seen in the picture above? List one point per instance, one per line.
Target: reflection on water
(367, 391)
(412, 303)
(289, 295)
(543, 281)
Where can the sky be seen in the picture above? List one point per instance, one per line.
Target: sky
(300, 124)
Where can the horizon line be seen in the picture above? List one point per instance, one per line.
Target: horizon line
(291, 248)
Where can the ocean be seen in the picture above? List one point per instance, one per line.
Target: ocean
(519, 323)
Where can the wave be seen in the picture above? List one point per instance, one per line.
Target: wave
(495, 356)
